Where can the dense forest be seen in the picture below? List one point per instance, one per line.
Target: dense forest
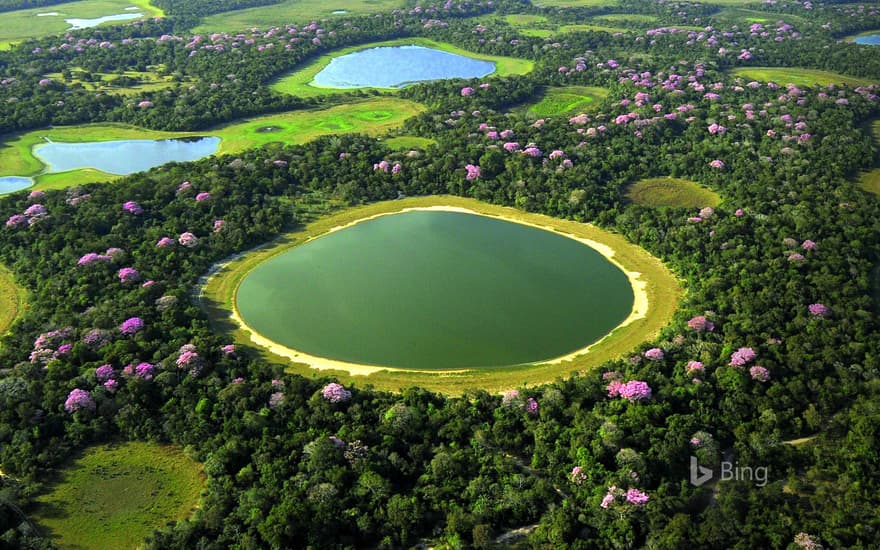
(776, 339)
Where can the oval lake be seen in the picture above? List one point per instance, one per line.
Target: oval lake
(868, 40)
(125, 156)
(436, 290)
(11, 184)
(397, 66)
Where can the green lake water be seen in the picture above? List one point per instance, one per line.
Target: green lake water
(436, 290)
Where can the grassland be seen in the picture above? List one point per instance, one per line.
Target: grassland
(567, 100)
(671, 192)
(662, 289)
(299, 81)
(575, 3)
(374, 117)
(870, 180)
(13, 299)
(292, 11)
(409, 142)
(113, 496)
(799, 77)
(734, 15)
(23, 24)
(137, 81)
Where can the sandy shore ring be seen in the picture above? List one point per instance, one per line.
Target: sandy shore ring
(639, 309)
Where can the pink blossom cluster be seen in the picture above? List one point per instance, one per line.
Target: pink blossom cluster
(531, 406)
(578, 475)
(819, 310)
(165, 241)
(742, 356)
(92, 257)
(634, 390)
(694, 367)
(78, 400)
(131, 326)
(32, 215)
(655, 354)
(276, 399)
(188, 240)
(204, 196)
(228, 349)
(759, 373)
(701, 324)
(510, 397)
(128, 275)
(335, 393)
(133, 208)
(473, 172)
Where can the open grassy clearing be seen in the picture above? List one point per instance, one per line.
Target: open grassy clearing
(23, 24)
(671, 192)
(870, 180)
(125, 83)
(114, 496)
(631, 18)
(293, 11)
(409, 142)
(734, 15)
(575, 3)
(799, 77)
(13, 299)
(567, 100)
(373, 117)
(298, 82)
(662, 289)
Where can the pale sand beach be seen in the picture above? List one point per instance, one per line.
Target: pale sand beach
(639, 309)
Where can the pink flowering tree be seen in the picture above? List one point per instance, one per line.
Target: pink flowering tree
(701, 324)
(655, 354)
(335, 393)
(759, 373)
(131, 326)
(742, 356)
(128, 275)
(819, 310)
(78, 400)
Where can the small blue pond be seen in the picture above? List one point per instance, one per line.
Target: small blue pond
(397, 66)
(89, 23)
(869, 40)
(124, 157)
(11, 184)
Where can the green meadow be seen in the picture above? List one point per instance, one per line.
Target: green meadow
(292, 11)
(575, 3)
(125, 82)
(799, 77)
(663, 294)
(23, 24)
(671, 192)
(401, 143)
(12, 299)
(374, 117)
(114, 496)
(567, 100)
(298, 82)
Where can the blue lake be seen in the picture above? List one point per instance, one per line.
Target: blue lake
(89, 23)
(123, 157)
(397, 66)
(11, 184)
(869, 40)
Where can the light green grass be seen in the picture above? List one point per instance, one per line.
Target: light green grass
(114, 496)
(870, 181)
(662, 289)
(524, 19)
(23, 24)
(567, 100)
(299, 81)
(13, 299)
(735, 15)
(631, 18)
(575, 3)
(409, 142)
(374, 117)
(665, 192)
(293, 11)
(799, 77)
(146, 81)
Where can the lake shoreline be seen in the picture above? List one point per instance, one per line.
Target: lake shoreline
(639, 309)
